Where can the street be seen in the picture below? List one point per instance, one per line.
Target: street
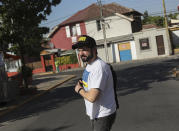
(148, 101)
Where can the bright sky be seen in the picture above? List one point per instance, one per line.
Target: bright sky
(69, 7)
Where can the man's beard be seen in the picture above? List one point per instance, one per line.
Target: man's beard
(86, 58)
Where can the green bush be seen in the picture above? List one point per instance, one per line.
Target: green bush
(68, 59)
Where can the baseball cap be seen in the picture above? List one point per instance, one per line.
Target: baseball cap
(84, 40)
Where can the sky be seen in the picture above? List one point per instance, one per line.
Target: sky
(69, 7)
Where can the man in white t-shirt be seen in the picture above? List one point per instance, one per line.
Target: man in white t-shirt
(96, 86)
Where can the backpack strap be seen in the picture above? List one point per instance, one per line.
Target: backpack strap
(115, 85)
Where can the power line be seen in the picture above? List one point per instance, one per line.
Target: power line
(60, 18)
(152, 14)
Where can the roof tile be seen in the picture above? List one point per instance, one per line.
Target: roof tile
(93, 12)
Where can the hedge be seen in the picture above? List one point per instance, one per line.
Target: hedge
(68, 59)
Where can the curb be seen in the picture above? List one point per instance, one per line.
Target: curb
(11, 108)
(44, 73)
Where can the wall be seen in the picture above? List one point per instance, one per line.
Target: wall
(116, 54)
(175, 38)
(113, 52)
(150, 34)
(115, 26)
(60, 39)
(102, 54)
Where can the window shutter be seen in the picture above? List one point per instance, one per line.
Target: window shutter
(78, 29)
(67, 31)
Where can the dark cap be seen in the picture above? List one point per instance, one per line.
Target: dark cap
(84, 40)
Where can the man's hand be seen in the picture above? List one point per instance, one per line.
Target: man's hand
(91, 95)
(78, 86)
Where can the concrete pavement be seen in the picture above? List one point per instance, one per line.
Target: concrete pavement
(41, 84)
(147, 94)
(46, 81)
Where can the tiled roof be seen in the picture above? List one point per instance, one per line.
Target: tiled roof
(148, 26)
(93, 12)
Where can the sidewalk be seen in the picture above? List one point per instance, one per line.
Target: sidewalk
(42, 83)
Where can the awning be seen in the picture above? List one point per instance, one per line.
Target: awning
(9, 56)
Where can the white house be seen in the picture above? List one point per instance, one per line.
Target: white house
(150, 43)
(123, 31)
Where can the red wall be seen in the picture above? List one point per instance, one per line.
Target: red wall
(60, 40)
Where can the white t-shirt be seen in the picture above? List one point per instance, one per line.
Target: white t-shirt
(98, 75)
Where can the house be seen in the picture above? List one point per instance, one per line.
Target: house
(9, 89)
(12, 64)
(126, 38)
(151, 42)
(120, 23)
(174, 29)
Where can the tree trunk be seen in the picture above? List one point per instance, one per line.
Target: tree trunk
(24, 79)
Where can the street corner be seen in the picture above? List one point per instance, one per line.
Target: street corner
(41, 91)
(65, 79)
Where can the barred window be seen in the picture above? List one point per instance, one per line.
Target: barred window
(144, 44)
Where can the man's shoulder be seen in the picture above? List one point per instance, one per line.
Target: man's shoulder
(101, 62)
(101, 66)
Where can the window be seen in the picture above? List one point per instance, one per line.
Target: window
(144, 44)
(11, 64)
(98, 24)
(73, 30)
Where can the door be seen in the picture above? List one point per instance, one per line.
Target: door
(125, 51)
(160, 45)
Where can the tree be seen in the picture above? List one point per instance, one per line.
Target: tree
(19, 25)
(157, 20)
(173, 16)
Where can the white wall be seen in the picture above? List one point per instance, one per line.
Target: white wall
(113, 51)
(12, 66)
(102, 53)
(151, 35)
(115, 26)
(133, 50)
(175, 37)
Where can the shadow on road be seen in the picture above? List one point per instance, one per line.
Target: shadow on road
(139, 78)
(130, 80)
(42, 129)
(51, 100)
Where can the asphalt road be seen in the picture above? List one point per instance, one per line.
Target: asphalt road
(147, 92)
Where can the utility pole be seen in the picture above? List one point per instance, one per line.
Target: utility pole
(104, 30)
(166, 25)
